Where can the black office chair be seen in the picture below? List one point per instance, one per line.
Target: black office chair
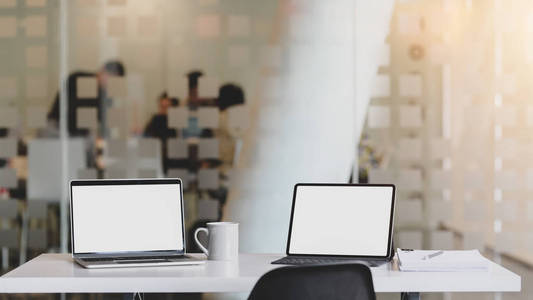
(336, 282)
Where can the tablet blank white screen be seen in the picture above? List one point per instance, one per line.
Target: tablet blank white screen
(115, 218)
(341, 220)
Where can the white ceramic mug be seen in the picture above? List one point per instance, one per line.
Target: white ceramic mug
(223, 240)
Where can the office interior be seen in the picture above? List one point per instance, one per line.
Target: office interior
(242, 99)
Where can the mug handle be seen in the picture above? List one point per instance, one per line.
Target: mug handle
(204, 250)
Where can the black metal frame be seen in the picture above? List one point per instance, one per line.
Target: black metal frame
(390, 251)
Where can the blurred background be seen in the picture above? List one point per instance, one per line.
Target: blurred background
(241, 99)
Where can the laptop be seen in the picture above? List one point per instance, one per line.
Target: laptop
(339, 223)
(128, 223)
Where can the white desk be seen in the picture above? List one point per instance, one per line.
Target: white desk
(57, 273)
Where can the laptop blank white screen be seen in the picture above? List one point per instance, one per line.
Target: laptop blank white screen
(341, 220)
(117, 218)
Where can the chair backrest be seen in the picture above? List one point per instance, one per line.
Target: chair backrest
(336, 282)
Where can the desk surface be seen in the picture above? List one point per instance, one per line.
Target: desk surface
(57, 273)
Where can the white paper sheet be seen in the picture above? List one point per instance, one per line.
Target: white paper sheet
(447, 261)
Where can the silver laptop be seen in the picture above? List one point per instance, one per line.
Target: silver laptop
(128, 223)
(337, 223)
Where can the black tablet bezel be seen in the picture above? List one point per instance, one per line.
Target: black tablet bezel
(80, 182)
(391, 224)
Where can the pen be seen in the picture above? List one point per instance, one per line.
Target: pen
(432, 255)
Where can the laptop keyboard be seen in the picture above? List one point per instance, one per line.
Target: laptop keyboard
(92, 259)
(293, 260)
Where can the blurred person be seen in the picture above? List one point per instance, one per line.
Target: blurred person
(18, 192)
(193, 102)
(101, 102)
(157, 127)
(158, 124)
(229, 95)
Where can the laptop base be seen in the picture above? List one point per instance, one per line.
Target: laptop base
(128, 262)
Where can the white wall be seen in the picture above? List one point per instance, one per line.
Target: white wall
(306, 131)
